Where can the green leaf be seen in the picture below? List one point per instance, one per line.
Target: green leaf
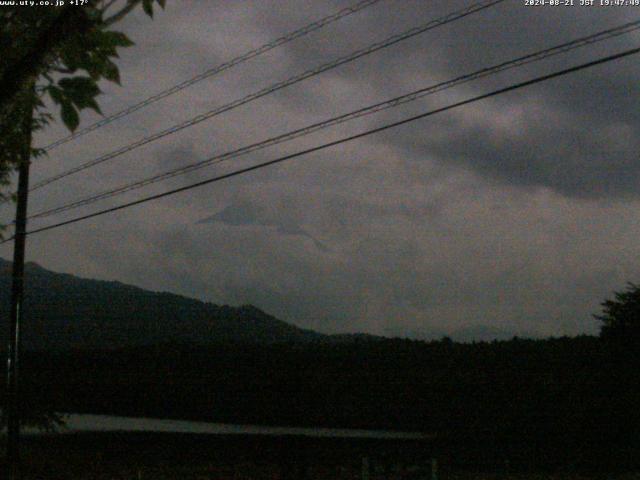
(80, 90)
(56, 94)
(116, 39)
(110, 72)
(104, 43)
(69, 116)
(94, 68)
(38, 152)
(78, 83)
(147, 6)
(93, 105)
(72, 55)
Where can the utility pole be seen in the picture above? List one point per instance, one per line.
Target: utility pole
(17, 294)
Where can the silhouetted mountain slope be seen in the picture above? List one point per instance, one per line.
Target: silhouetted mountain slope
(64, 311)
(553, 403)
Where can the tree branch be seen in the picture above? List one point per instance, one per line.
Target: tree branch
(108, 5)
(120, 14)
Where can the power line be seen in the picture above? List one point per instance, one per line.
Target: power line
(451, 17)
(342, 140)
(391, 103)
(345, 12)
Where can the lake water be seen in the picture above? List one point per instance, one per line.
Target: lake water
(107, 423)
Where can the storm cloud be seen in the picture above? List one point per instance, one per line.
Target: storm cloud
(515, 215)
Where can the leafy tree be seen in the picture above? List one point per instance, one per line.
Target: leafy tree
(58, 52)
(62, 53)
(621, 316)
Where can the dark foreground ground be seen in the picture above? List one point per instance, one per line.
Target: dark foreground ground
(126, 455)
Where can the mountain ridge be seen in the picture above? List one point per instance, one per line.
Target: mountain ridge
(64, 311)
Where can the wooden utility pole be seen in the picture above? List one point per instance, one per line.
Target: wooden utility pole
(17, 296)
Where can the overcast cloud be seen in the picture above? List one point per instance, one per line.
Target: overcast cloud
(515, 215)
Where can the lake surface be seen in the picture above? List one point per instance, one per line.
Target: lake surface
(106, 423)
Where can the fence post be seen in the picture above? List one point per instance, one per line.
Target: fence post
(365, 468)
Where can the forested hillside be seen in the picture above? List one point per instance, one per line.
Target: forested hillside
(64, 312)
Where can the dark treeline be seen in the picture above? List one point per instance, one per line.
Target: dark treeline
(536, 403)
(567, 402)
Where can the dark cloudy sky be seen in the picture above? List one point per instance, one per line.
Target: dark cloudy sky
(518, 214)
